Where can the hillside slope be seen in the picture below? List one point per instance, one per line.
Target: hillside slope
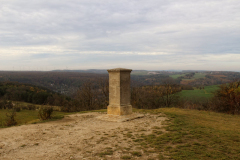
(166, 133)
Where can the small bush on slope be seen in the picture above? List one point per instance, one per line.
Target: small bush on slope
(11, 118)
(45, 113)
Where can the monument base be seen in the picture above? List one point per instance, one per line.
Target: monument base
(119, 110)
(117, 118)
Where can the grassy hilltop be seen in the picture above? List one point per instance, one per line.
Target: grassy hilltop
(191, 134)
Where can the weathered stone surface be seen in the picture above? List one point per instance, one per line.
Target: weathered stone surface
(119, 92)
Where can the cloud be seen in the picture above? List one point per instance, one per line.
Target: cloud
(172, 32)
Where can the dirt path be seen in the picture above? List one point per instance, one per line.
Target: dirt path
(78, 136)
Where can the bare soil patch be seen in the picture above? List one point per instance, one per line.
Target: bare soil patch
(80, 136)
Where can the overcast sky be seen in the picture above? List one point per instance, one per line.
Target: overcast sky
(136, 34)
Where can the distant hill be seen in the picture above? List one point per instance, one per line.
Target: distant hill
(103, 71)
(194, 70)
(100, 71)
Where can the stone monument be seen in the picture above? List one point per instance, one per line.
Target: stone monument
(119, 92)
(119, 108)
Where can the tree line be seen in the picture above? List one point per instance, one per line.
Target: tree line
(15, 91)
(93, 94)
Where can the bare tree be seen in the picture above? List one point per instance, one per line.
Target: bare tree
(104, 87)
(93, 95)
(155, 96)
(169, 90)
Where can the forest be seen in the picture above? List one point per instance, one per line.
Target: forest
(78, 91)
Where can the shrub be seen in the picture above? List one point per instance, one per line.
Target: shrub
(24, 107)
(9, 105)
(10, 120)
(227, 98)
(31, 107)
(45, 113)
(6, 104)
(187, 87)
(17, 109)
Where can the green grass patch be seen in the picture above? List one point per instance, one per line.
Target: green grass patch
(28, 117)
(196, 134)
(196, 76)
(195, 94)
(199, 75)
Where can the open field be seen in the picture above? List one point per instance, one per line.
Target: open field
(196, 76)
(199, 75)
(207, 92)
(175, 76)
(166, 133)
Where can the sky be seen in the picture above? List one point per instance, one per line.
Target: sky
(135, 34)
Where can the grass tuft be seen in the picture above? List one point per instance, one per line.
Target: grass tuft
(138, 154)
(126, 157)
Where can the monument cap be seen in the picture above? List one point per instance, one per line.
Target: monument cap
(119, 70)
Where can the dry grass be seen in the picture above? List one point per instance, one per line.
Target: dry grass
(196, 134)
